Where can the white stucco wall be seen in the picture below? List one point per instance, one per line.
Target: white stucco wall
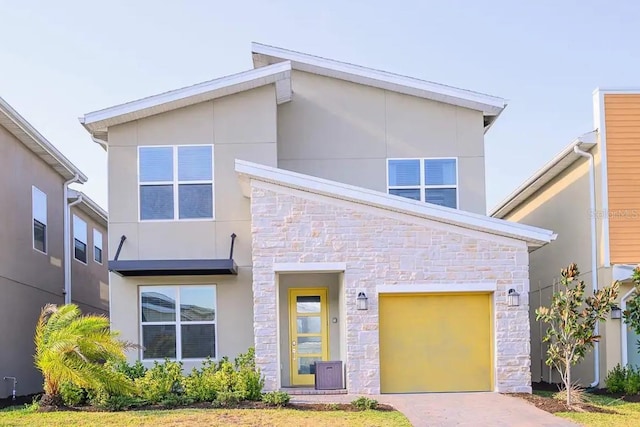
(381, 247)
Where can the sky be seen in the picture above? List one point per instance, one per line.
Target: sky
(62, 59)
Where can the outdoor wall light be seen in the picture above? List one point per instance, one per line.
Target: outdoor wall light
(616, 312)
(513, 298)
(362, 301)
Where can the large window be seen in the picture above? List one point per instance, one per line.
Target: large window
(428, 180)
(178, 322)
(39, 219)
(176, 182)
(97, 246)
(79, 239)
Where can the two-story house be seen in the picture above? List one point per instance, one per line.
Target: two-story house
(319, 211)
(41, 220)
(590, 194)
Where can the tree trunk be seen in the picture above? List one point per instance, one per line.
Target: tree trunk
(567, 384)
(50, 402)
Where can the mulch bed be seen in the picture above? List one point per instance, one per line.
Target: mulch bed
(544, 386)
(242, 405)
(19, 401)
(552, 405)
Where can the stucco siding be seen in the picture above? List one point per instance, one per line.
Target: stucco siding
(88, 280)
(381, 248)
(335, 129)
(29, 279)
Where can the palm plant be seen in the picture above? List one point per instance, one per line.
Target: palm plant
(71, 347)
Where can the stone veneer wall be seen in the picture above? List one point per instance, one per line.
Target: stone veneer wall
(381, 247)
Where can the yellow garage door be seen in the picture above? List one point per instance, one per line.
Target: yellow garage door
(436, 342)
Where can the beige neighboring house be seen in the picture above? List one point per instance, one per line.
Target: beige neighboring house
(34, 270)
(590, 194)
(318, 211)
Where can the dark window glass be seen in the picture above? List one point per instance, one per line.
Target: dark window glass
(80, 250)
(159, 341)
(39, 236)
(198, 341)
(97, 254)
(408, 193)
(156, 202)
(441, 196)
(196, 201)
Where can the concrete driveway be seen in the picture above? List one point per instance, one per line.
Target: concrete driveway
(458, 409)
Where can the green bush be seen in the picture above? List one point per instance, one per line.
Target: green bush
(364, 403)
(133, 372)
(632, 385)
(228, 398)
(250, 376)
(161, 382)
(276, 398)
(72, 395)
(615, 380)
(623, 379)
(199, 385)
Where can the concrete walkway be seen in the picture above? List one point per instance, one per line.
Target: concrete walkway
(457, 409)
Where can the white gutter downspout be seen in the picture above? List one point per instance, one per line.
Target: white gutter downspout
(67, 238)
(594, 255)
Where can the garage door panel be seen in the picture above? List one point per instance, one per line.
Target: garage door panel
(435, 342)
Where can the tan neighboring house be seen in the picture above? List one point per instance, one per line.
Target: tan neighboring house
(320, 212)
(34, 270)
(590, 194)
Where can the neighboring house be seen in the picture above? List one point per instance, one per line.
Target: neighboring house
(254, 210)
(33, 271)
(590, 194)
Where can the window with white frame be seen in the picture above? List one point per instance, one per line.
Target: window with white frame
(176, 182)
(79, 239)
(432, 180)
(39, 219)
(97, 246)
(178, 322)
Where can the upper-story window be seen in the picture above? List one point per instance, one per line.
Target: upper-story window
(428, 180)
(79, 239)
(39, 217)
(97, 246)
(176, 182)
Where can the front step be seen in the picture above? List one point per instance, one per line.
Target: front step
(304, 391)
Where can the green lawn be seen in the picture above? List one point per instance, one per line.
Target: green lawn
(627, 414)
(209, 417)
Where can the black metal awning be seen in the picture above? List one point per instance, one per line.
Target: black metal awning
(174, 267)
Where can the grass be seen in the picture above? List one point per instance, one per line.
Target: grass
(17, 416)
(627, 414)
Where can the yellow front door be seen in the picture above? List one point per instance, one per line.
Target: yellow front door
(308, 328)
(436, 342)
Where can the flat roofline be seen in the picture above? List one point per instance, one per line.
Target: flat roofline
(174, 267)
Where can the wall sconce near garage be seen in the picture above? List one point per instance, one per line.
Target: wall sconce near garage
(513, 298)
(616, 312)
(362, 302)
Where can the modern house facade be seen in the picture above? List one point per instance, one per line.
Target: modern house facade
(312, 209)
(589, 193)
(33, 265)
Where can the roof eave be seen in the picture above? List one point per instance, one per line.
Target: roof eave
(90, 207)
(534, 236)
(488, 104)
(22, 130)
(98, 122)
(550, 170)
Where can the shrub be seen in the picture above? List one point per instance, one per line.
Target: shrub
(113, 403)
(199, 386)
(249, 376)
(133, 372)
(616, 378)
(276, 398)
(632, 383)
(364, 403)
(228, 398)
(161, 381)
(72, 395)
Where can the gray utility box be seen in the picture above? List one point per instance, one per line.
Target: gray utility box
(329, 375)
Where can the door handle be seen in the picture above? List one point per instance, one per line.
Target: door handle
(293, 343)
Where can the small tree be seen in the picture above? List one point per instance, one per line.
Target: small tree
(572, 320)
(632, 312)
(72, 348)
